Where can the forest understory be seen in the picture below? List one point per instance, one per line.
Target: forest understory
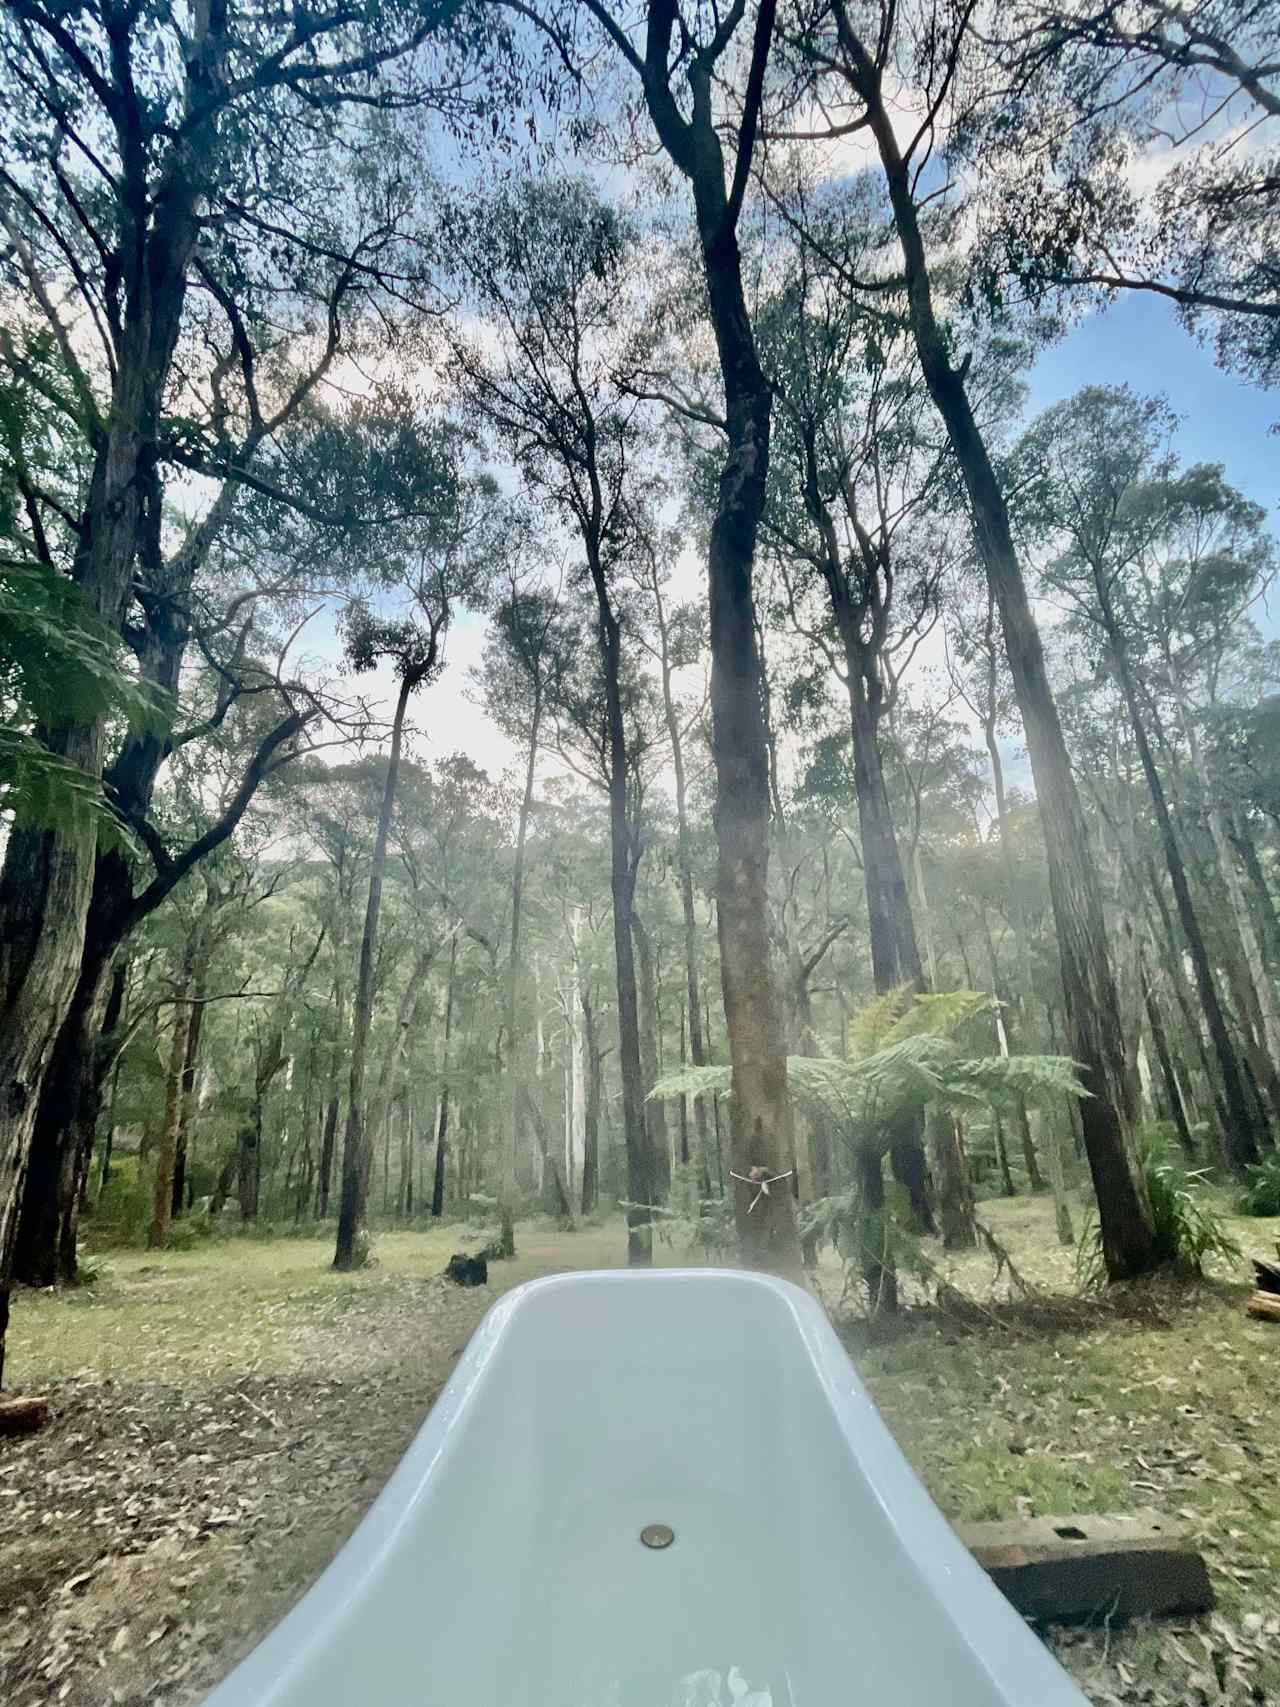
(198, 1475)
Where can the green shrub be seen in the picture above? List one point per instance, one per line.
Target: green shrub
(1261, 1196)
(1189, 1228)
(122, 1212)
(696, 1225)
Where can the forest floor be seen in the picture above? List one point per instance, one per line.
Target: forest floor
(223, 1416)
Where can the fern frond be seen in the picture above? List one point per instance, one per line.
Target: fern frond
(692, 1082)
(1000, 1081)
(871, 1025)
(940, 1015)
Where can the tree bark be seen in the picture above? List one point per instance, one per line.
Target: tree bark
(190, 1062)
(655, 1112)
(1035, 1179)
(643, 1173)
(876, 1259)
(166, 1150)
(508, 1137)
(1007, 1186)
(955, 1191)
(442, 1123)
(760, 1113)
(47, 877)
(684, 865)
(591, 1117)
(1089, 989)
(348, 1252)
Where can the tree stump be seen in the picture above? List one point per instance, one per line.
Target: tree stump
(463, 1270)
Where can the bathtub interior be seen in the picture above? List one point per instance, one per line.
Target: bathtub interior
(518, 1577)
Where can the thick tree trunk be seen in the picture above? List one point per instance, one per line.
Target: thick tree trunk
(349, 1251)
(760, 1113)
(1089, 989)
(47, 877)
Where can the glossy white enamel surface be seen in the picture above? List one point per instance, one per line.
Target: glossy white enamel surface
(502, 1564)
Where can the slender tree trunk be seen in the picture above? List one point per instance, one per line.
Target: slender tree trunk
(508, 1138)
(1089, 990)
(1007, 1186)
(442, 1124)
(876, 1259)
(349, 1252)
(591, 1118)
(550, 1161)
(162, 1198)
(643, 1173)
(1264, 904)
(1241, 1135)
(895, 952)
(684, 863)
(656, 1111)
(1017, 918)
(190, 1062)
(955, 1191)
(1057, 1178)
(1160, 1042)
(1259, 977)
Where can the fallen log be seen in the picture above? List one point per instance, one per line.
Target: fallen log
(23, 1416)
(1268, 1275)
(1092, 1569)
(1265, 1306)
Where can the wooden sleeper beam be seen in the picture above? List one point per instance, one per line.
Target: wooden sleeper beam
(1087, 1569)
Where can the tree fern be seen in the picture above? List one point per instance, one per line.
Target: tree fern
(916, 1062)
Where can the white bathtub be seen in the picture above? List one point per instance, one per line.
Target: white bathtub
(502, 1565)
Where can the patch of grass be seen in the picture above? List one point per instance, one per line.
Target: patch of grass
(252, 1353)
(1114, 1412)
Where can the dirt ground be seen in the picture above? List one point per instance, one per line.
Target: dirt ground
(222, 1418)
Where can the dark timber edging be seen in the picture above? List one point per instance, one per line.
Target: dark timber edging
(1074, 1569)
